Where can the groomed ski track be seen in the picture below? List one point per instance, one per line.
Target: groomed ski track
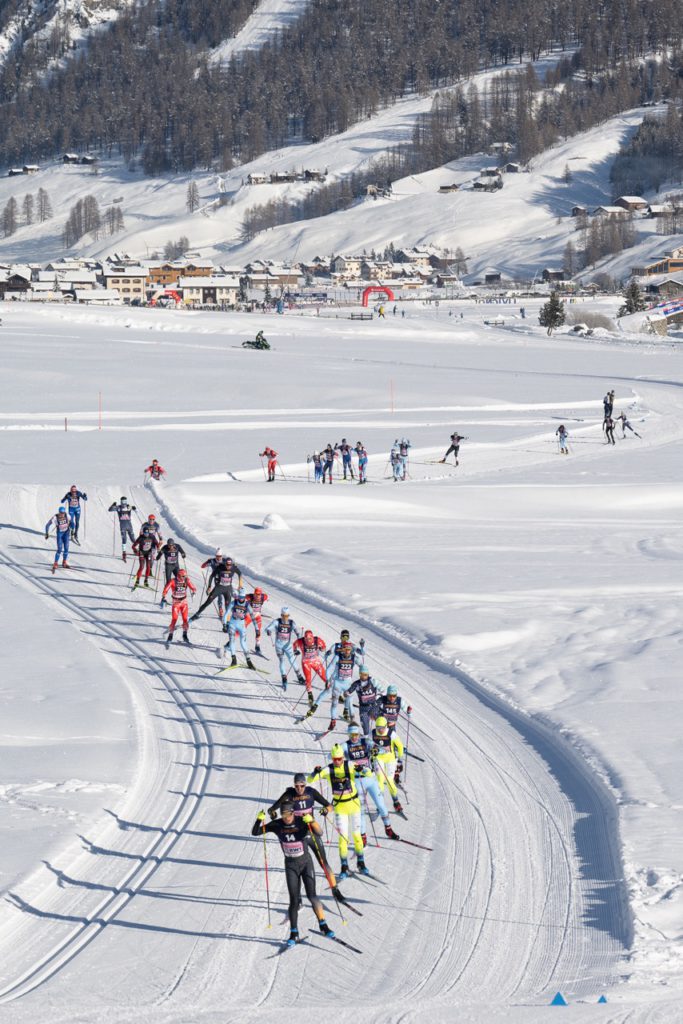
(522, 895)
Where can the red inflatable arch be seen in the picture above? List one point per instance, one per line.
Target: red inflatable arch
(377, 288)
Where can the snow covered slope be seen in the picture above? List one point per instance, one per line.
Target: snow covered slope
(269, 17)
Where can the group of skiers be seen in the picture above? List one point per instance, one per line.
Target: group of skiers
(608, 425)
(324, 462)
(365, 766)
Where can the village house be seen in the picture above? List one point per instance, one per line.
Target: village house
(631, 203)
(70, 158)
(347, 267)
(257, 178)
(167, 273)
(14, 172)
(445, 189)
(130, 282)
(417, 257)
(609, 211)
(579, 211)
(672, 263)
(209, 291)
(30, 168)
(655, 210)
(97, 297)
(664, 286)
(552, 274)
(375, 270)
(14, 286)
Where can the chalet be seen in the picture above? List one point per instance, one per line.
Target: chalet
(488, 184)
(552, 274)
(579, 211)
(87, 160)
(15, 286)
(447, 281)
(439, 261)
(282, 177)
(312, 175)
(609, 211)
(262, 282)
(445, 189)
(30, 169)
(500, 148)
(70, 158)
(130, 282)
(492, 277)
(631, 203)
(209, 291)
(512, 168)
(664, 286)
(655, 210)
(346, 266)
(375, 270)
(489, 172)
(672, 263)
(257, 178)
(14, 172)
(417, 257)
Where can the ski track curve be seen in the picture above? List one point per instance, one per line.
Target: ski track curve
(501, 798)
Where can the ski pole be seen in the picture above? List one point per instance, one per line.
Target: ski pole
(405, 775)
(372, 822)
(282, 471)
(85, 521)
(265, 861)
(156, 585)
(263, 468)
(113, 538)
(323, 865)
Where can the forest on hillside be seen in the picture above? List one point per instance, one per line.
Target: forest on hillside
(145, 87)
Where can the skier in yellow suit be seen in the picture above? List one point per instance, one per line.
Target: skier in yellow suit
(341, 775)
(387, 752)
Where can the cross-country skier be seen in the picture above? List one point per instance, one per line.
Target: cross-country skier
(172, 553)
(237, 617)
(357, 751)
(362, 463)
(340, 679)
(333, 651)
(562, 439)
(155, 527)
(125, 513)
(390, 706)
(220, 585)
(396, 463)
(257, 599)
(144, 546)
(404, 447)
(212, 562)
(341, 775)
(387, 753)
(368, 698)
(346, 450)
(608, 430)
(271, 455)
(456, 438)
(178, 586)
(328, 456)
(60, 521)
(73, 498)
(317, 466)
(625, 425)
(155, 470)
(303, 799)
(295, 839)
(282, 631)
(311, 648)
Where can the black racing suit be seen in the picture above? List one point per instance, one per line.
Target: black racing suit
(220, 586)
(294, 840)
(172, 559)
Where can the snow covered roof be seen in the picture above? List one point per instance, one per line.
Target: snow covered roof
(633, 199)
(94, 295)
(124, 272)
(208, 282)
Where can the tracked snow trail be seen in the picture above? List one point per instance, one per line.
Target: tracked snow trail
(521, 894)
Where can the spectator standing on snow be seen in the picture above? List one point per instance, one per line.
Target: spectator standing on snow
(562, 439)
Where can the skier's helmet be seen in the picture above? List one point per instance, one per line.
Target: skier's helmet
(227, 560)
(299, 779)
(257, 591)
(392, 691)
(62, 508)
(151, 517)
(286, 809)
(308, 636)
(363, 671)
(218, 553)
(284, 611)
(73, 487)
(241, 592)
(381, 724)
(124, 500)
(154, 462)
(344, 635)
(145, 528)
(337, 752)
(170, 542)
(182, 573)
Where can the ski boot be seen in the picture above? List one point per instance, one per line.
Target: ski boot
(186, 638)
(136, 584)
(233, 661)
(311, 703)
(123, 556)
(250, 664)
(54, 568)
(284, 682)
(169, 638)
(65, 564)
(344, 871)
(364, 837)
(146, 583)
(331, 726)
(397, 805)
(346, 716)
(257, 648)
(293, 937)
(325, 929)
(225, 628)
(300, 679)
(390, 832)
(360, 864)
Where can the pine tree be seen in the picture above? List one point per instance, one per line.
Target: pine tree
(552, 313)
(27, 208)
(44, 206)
(192, 197)
(567, 176)
(633, 300)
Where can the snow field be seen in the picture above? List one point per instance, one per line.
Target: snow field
(522, 595)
